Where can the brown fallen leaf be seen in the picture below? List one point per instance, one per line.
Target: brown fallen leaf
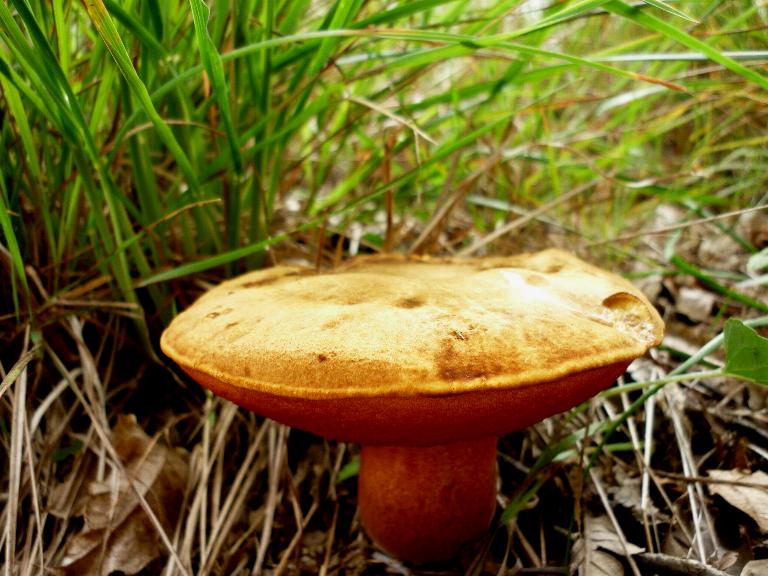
(755, 568)
(694, 303)
(752, 500)
(600, 563)
(118, 535)
(589, 552)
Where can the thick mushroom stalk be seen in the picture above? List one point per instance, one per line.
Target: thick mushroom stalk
(424, 504)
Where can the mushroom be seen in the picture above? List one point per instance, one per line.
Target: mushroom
(424, 362)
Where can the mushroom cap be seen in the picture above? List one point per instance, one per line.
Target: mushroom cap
(390, 350)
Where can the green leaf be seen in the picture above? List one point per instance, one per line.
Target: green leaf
(746, 352)
(350, 470)
(61, 454)
(18, 275)
(136, 27)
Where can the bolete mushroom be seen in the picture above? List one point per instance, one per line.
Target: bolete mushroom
(424, 362)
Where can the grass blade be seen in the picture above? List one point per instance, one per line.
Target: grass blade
(655, 24)
(671, 9)
(222, 259)
(212, 62)
(18, 275)
(114, 43)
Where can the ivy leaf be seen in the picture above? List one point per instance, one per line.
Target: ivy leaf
(746, 352)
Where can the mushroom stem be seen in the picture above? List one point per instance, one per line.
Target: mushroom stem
(423, 504)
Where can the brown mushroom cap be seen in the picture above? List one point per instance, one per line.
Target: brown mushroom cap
(387, 350)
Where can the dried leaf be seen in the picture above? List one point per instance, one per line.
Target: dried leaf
(752, 500)
(68, 498)
(589, 558)
(695, 303)
(755, 568)
(602, 535)
(601, 564)
(118, 535)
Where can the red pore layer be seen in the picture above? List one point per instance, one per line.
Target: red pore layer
(424, 504)
(422, 420)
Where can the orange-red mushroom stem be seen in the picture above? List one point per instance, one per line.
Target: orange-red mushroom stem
(424, 504)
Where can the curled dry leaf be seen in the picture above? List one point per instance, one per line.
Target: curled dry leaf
(601, 564)
(755, 568)
(591, 555)
(118, 535)
(627, 493)
(752, 499)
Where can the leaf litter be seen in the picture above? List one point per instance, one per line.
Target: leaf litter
(237, 498)
(117, 535)
(745, 491)
(598, 547)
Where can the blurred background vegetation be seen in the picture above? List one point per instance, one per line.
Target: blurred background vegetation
(146, 141)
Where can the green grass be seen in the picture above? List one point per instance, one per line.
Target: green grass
(156, 141)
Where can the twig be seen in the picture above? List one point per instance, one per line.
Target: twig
(238, 494)
(329, 542)
(690, 468)
(680, 226)
(708, 480)
(17, 369)
(206, 462)
(503, 569)
(53, 395)
(341, 449)
(443, 205)
(389, 114)
(18, 426)
(449, 197)
(238, 491)
(533, 558)
(676, 513)
(676, 566)
(37, 506)
(645, 483)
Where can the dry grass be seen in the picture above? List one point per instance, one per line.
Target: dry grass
(211, 489)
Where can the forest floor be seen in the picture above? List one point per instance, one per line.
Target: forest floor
(683, 477)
